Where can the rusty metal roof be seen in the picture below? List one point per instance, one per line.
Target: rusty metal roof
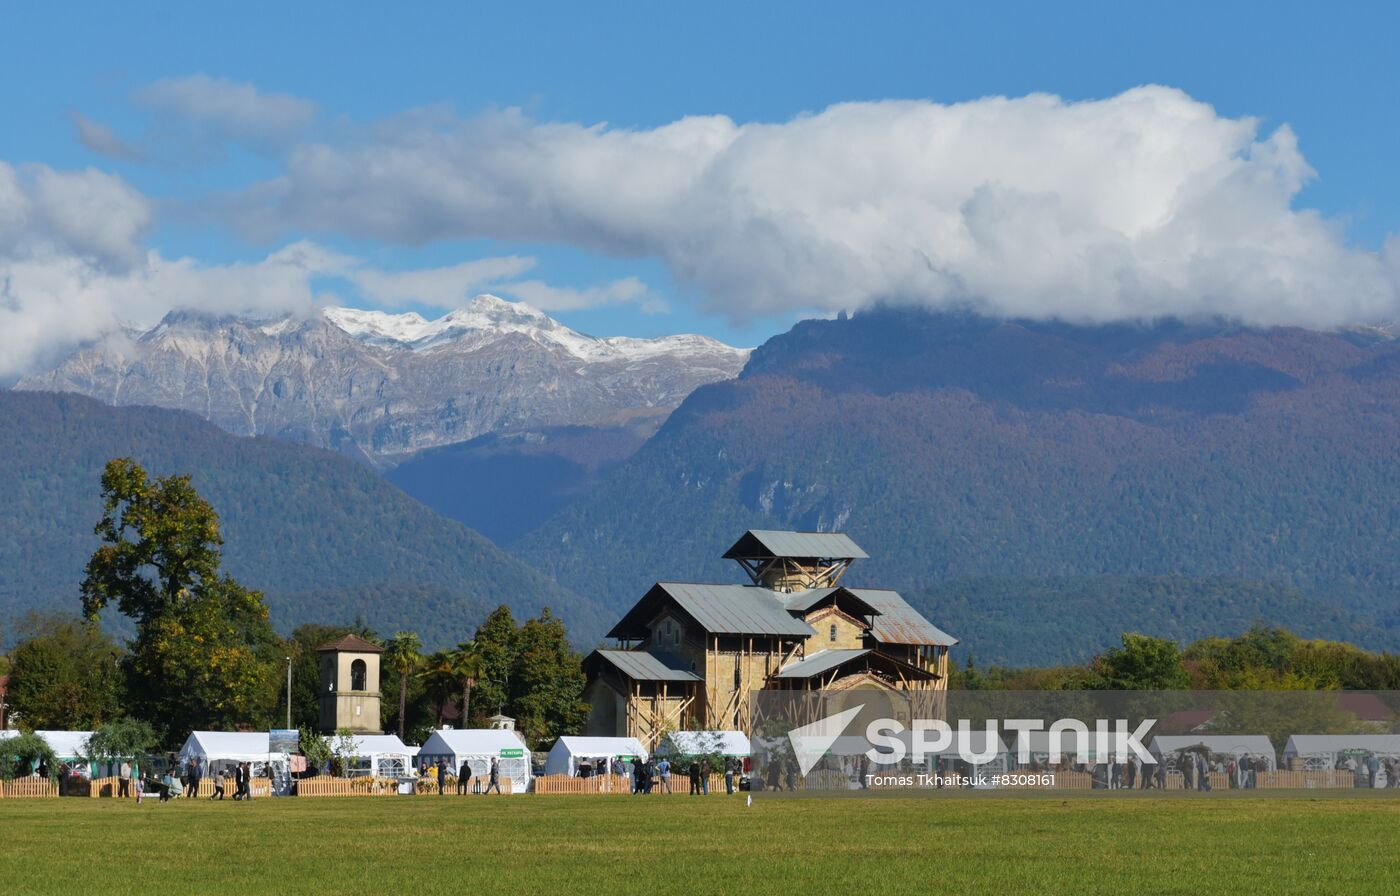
(807, 545)
(642, 666)
(899, 623)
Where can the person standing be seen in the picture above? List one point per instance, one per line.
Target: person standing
(124, 781)
(196, 773)
(140, 787)
(441, 768)
(663, 771)
(729, 775)
(218, 779)
(464, 777)
(494, 782)
(695, 777)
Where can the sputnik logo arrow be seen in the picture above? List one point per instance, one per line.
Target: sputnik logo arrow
(810, 742)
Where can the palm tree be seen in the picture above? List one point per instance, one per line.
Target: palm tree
(466, 667)
(403, 656)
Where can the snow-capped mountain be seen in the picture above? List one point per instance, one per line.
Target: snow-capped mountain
(389, 385)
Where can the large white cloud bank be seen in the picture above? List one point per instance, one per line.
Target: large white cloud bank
(1134, 207)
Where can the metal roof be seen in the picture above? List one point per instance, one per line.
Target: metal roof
(642, 666)
(899, 623)
(734, 609)
(819, 662)
(802, 601)
(773, 543)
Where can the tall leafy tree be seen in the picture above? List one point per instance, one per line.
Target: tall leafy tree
(64, 674)
(496, 641)
(1143, 663)
(547, 682)
(457, 670)
(403, 654)
(204, 654)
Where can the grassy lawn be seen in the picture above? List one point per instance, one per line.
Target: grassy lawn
(601, 845)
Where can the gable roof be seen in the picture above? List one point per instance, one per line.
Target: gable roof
(470, 742)
(899, 623)
(774, 543)
(642, 666)
(351, 643)
(804, 601)
(718, 609)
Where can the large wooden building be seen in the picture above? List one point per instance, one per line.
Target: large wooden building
(694, 655)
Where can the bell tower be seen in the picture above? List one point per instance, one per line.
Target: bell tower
(350, 685)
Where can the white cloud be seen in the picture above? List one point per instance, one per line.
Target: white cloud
(73, 268)
(230, 110)
(537, 293)
(1144, 204)
(445, 287)
(85, 213)
(102, 140)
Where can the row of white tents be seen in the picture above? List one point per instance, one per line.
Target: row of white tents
(569, 754)
(1314, 751)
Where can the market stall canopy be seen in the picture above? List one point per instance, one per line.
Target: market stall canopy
(461, 742)
(1333, 744)
(66, 744)
(1236, 745)
(692, 743)
(230, 746)
(564, 756)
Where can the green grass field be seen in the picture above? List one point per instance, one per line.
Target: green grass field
(680, 845)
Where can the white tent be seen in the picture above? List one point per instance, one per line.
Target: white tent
(477, 747)
(568, 752)
(690, 743)
(1324, 751)
(1236, 745)
(217, 750)
(70, 747)
(383, 755)
(66, 745)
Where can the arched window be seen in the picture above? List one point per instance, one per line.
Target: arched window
(358, 673)
(833, 631)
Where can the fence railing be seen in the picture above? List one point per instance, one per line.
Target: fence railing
(324, 785)
(619, 784)
(28, 787)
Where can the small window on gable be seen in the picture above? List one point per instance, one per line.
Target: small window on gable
(833, 631)
(676, 636)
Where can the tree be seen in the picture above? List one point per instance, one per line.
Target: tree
(120, 740)
(403, 654)
(23, 754)
(343, 750)
(462, 666)
(496, 641)
(547, 682)
(204, 654)
(315, 748)
(64, 674)
(1143, 663)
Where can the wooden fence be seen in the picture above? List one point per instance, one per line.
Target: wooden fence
(618, 784)
(324, 785)
(28, 787)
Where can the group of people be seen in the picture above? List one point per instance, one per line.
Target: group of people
(1368, 768)
(649, 774)
(464, 777)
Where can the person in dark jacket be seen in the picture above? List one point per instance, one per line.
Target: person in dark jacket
(695, 777)
(441, 776)
(464, 777)
(494, 777)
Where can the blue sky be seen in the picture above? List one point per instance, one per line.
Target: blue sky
(1327, 73)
